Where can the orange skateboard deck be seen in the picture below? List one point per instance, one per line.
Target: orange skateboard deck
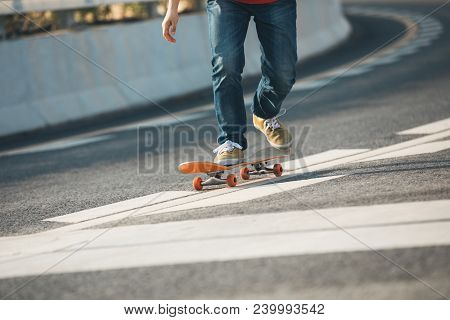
(216, 171)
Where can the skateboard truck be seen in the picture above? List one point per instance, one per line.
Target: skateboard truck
(260, 169)
(215, 178)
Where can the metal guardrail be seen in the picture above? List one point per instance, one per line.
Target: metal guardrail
(24, 6)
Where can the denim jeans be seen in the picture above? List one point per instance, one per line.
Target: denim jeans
(276, 28)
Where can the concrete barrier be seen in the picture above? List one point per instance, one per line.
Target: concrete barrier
(46, 82)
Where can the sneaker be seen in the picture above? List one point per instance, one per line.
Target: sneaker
(229, 153)
(275, 132)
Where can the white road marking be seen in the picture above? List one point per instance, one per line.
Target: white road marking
(211, 195)
(429, 128)
(165, 120)
(357, 71)
(97, 216)
(381, 227)
(197, 200)
(423, 42)
(121, 206)
(415, 150)
(72, 236)
(382, 151)
(242, 195)
(309, 84)
(58, 145)
(320, 158)
(105, 134)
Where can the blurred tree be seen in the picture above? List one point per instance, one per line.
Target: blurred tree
(16, 25)
(30, 23)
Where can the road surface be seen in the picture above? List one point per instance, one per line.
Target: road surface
(362, 211)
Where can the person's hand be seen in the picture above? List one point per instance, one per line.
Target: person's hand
(169, 25)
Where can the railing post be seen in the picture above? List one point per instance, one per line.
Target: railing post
(66, 19)
(151, 9)
(2, 28)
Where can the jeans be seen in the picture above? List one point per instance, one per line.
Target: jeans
(276, 28)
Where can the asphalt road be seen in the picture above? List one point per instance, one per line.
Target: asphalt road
(388, 77)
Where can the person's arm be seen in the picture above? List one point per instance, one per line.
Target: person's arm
(169, 25)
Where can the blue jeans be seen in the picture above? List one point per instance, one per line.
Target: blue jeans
(276, 27)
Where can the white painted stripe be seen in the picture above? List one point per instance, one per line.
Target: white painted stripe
(414, 45)
(242, 195)
(407, 50)
(386, 60)
(58, 145)
(121, 206)
(356, 71)
(310, 84)
(423, 42)
(432, 33)
(429, 128)
(416, 150)
(320, 158)
(377, 152)
(429, 32)
(105, 134)
(350, 216)
(214, 193)
(389, 226)
(108, 214)
(164, 121)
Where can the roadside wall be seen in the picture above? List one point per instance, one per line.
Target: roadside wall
(44, 82)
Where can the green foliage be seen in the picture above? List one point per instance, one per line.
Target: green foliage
(17, 25)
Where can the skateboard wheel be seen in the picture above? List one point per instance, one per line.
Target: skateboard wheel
(197, 183)
(231, 180)
(245, 173)
(277, 170)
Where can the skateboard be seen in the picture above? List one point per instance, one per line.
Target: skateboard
(216, 172)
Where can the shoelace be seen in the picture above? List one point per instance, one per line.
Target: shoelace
(273, 122)
(227, 146)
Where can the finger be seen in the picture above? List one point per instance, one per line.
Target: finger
(164, 28)
(168, 37)
(166, 33)
(173, 29)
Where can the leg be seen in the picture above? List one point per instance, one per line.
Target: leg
(228, 24)
(277, 32)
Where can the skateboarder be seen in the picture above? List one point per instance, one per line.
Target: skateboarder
(228, 23)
